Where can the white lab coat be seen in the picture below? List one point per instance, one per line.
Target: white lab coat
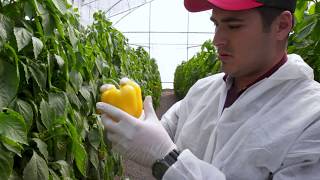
(272, 131)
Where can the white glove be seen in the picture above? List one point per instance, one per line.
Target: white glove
(142, 140)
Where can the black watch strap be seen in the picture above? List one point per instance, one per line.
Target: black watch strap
(162, 165)
(172, 157)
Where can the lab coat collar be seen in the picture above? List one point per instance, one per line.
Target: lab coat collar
(229, 80)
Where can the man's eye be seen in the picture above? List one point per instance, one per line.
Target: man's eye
(234, 26)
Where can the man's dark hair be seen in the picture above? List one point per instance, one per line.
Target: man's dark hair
(268, 15)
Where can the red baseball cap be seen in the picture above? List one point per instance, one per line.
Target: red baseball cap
(238, 5)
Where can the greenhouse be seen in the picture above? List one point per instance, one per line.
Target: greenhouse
(159, 89)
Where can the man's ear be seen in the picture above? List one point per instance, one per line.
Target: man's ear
(283, 25)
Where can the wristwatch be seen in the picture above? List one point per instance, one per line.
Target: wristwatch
(162, 165)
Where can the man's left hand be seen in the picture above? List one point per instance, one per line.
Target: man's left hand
(142, 140)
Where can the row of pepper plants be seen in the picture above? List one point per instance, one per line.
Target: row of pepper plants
(51, 69)
(203, 64)
(304, 40)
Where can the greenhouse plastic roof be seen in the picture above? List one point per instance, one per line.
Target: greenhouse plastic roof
(112, 7)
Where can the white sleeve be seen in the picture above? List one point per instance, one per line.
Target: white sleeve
(303, 158)
(304, 170)
(302, 162)
(170, 119)
(189, 167)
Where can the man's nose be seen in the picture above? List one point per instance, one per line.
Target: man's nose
(219, 38)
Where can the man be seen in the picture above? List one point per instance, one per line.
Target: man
(259, 119)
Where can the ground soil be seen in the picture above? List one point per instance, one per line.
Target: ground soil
(134, 171)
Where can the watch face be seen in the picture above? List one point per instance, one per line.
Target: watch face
(159, 168)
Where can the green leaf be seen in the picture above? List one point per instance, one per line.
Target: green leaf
(73, 38)
(85, 92)
(80, 62)
(37, 46)
(300, 8)
(36, 169)
(12, 126)
(58, 103)
(78, 150)
(94, 138)
(71, 56)
(5, 27)
(94, 159)
(9, 82)
(11, 145)
(28, 11)
(306, 30)
(25, 109)
(39, 73)
(15, 176)
(53, 175)
(6, 163)
(25, 71)
(47, 20)
(27, 26)
(80, 156)
(110, 44)
(76, 80)
(23, 37)
(50, 69)
(73, 99)
(39, 8)
(42, 146)
(60, 5)
(59, 25)
(64, 167)
(47, 114)
(47, 24)
(59, 60)
(100, 64)
(62, 144)
(312, 9)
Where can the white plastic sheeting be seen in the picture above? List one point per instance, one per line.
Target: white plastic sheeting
(112, 7)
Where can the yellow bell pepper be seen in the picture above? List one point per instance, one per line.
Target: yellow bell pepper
(128, 97)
